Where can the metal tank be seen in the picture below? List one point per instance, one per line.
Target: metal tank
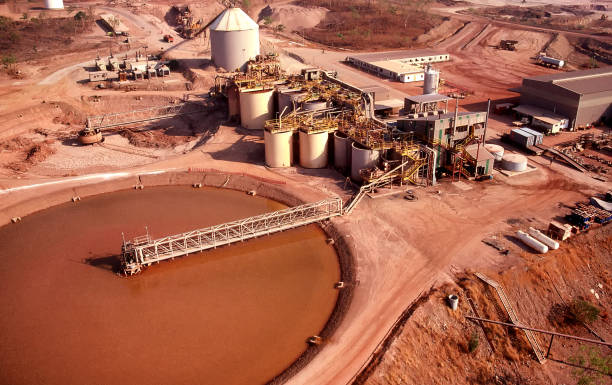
(54, 4)
(342, 151)
(313, 149)
(514, 162)
(432, 79)
(234, 39)
(362, 158)
(255, 108)
(314, 105)
(279, 148)
(496, 150)
(288, 100)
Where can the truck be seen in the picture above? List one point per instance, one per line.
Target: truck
(168, 39)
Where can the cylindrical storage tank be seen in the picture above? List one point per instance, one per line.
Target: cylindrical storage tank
(313, 149)
(234, 39)
(361, 158)
(342, 151)
(453, 301)
(531, 242)
(314, 105)
(54, 4)
(233, 102)
(255, 108)
(551, 243)
(496, 150)
(289, 100)
(279, 148)
(514, 162)
(431, 81)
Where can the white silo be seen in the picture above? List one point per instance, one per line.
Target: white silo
(54, 4)
(432, 79)
(234, 39)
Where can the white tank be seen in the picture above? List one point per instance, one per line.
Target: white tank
(551, 243)
(514, 162)
(431, 81)
(361, 158)
(255, 108)
(54, 4)
(496, 150)
(279, 148)
(531, 242)
(234, 39)
(313, 149)
(342, 151)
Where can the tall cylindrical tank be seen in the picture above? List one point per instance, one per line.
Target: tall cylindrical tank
(342, 151)
(361, 158)
(279, 148)
(496, 150)
(255, 108)
(54, 4)
(288, 100)
(531, 242)
(313, 149)
(431, 81)
(234, 39)
(314, 105)
(514, 162)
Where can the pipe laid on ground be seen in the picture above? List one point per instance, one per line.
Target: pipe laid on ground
(551, 243)
(531, 242)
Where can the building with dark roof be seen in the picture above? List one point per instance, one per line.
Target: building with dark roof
(584, 97)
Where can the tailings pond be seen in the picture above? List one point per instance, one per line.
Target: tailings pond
(236, 315)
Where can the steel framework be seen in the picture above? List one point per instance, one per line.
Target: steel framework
(143, 251)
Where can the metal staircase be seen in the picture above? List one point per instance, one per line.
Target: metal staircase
(512, 315)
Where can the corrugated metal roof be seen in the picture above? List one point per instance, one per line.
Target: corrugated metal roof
(581, 82)
(397, 67)
(482, 152)
(233, 19)
(429, 98)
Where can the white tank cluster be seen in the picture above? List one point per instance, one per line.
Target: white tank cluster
(234, 39)
(54, 4)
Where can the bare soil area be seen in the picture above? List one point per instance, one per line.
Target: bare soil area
(542, 290)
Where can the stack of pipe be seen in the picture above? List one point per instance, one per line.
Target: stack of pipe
(532, 242)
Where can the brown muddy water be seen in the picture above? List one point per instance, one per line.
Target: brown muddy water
(237, 315)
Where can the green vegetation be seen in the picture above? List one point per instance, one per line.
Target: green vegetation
(584, 311)
(473, 342)
(593, 368)
(267, 20)
(362, 24)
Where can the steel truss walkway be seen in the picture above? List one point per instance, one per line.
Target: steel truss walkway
(144, 251)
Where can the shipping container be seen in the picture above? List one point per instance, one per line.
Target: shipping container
(538, 136)
(521, 138)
